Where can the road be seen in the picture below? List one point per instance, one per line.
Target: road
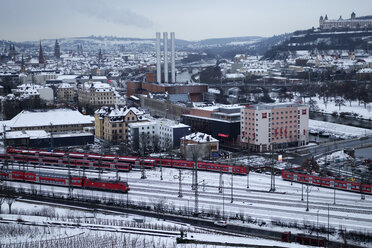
(301, 154)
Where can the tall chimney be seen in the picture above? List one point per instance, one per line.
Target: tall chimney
(173, 62)
(165, 34)
(158, 61)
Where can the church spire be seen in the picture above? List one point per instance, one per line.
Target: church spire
(41, 55)
(57, 50)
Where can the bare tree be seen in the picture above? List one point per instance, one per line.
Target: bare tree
(340, 102)
(10, 196)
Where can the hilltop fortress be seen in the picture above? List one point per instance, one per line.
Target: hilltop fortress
(352, 23)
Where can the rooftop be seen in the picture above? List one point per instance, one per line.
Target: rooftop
(274, 106)
(53, 117)
(200, 137)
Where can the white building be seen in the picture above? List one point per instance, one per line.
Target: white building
(161, 133)
(266, 126)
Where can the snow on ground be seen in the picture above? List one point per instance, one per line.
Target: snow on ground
(330, 107)
(338, 156)
(40, 222)
(338, 130)
(257, 204)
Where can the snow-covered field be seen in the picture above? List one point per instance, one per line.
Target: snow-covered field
(355, 107)
(259, 207)
(338, 130)
(36, 223)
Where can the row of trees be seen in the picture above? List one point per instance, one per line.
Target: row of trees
(349, 91)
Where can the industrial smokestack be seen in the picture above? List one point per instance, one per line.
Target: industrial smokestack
(158, 61)
(173, 62)
(165, 34)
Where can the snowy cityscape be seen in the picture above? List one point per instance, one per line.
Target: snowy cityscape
(142, 134)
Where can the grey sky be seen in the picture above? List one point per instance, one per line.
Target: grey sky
(191, 19)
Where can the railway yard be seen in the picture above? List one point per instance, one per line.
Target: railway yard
(259, 200)
(256, 206)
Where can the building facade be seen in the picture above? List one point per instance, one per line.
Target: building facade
(198, 145)
(96, 94)
(65, 92)
(111, 124)
(274, 126)
(161, 134)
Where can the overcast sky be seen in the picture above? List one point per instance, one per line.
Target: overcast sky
(22, 20)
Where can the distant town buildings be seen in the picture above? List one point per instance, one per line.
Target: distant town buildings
(274, 126)
(352, 23)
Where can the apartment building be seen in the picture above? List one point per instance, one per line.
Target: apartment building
(65, 92)
(111, 124)
(274, 126)
(96, 94)
(160, 133)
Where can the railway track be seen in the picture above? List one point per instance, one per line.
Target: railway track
(254, 199)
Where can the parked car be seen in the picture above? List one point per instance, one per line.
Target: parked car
(221, 223)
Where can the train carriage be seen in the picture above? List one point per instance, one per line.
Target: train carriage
(327, 182)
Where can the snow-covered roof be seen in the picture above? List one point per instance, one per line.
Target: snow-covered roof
(65, 86)
(234, 75)
(98, 87)
(365, 70)
(27, 134)
(53, 117)
(200, 137)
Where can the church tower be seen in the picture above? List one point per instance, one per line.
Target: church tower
(23, 68)
(41, 55)
(57, 51)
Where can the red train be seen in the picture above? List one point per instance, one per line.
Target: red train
(63, 180)
(112, 161)
(326, 182)
(91, 157)
(63, 161)
(208, 166)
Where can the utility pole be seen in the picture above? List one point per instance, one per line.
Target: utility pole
(69, 175)
(161, 168)
(317, 225)
(328, 221)
(249, 150)
(334, 196)
(307, 197)
(51, 136)
(143, 175)
(272, 186)
(196, 189)
(232, 185)
(220, 182)
(180, 183)
(223, 201)
(302, 192)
